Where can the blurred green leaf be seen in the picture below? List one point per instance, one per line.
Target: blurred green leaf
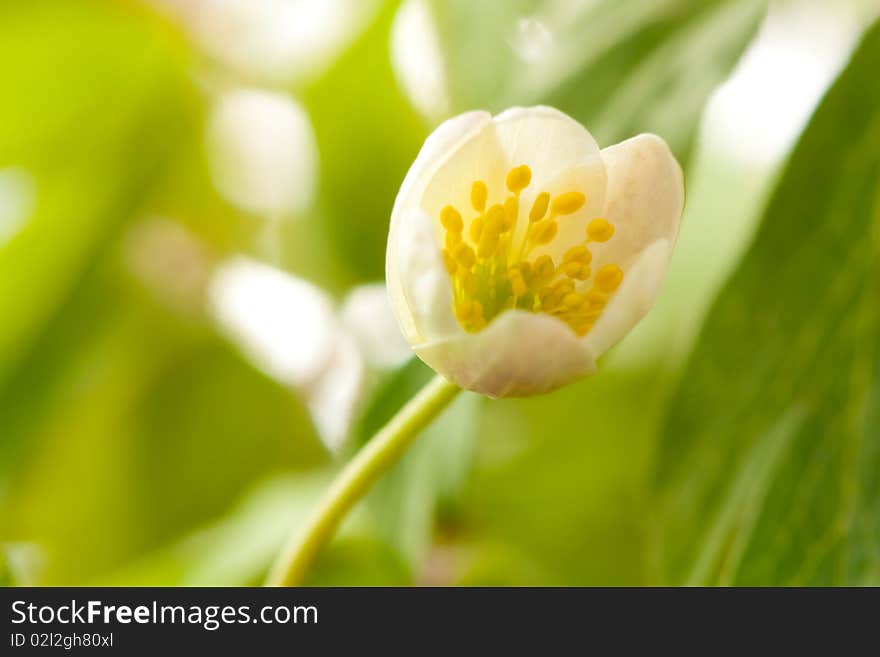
(769, 466)
(156, 431)
(91, 92)
(237, 549)
(621, 67)
(368, 134)
(558, 485)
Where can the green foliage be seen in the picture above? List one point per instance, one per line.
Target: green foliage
(138, 447)
(121, 423)
(117, 111)
(598, 61)
(768, 466)
(367, 137)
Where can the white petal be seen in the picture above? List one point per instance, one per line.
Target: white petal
(366, 314)
(644, 199)
(549, 141)
(477, 158)
(633, 300)
(518, 354)
(445, 140)
(425, 289)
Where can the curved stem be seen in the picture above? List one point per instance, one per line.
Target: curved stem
(355, 479)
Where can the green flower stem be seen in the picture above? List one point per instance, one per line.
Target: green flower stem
(370, 463)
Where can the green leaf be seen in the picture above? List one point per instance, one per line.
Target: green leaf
(620, 67)
(367, 135)
(238, 549)
(769, 466)
(91, 92)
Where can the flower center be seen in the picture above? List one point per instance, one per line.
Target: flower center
(491, 271)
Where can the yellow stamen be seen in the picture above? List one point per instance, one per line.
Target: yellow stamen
(517, 282)
(543, 270)
(599, 230)
(489, 276)
(469, 284)
(568, 203)
(488, 245)
(476, 229)
(479, 194)
(579, 254)
(597, 299)
(464, 255)
(451, 219)
(576, 270)
(511, 212)
(450, 263)
(544, 231)
(495, 219)
(608, 278)
(573, 300)
(539, 207)
(518, 178)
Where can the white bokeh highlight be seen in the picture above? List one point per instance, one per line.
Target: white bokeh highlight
(262, 152)
(285, 325)
(367, 316)
(274, 42)
(758, 113)
(417, 59)
(289, 329)
(18, 197)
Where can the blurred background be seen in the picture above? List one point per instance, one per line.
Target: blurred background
(194, 332)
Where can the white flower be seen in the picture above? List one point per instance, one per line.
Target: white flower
(519, 252)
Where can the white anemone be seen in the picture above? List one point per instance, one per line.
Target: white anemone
(519, 252)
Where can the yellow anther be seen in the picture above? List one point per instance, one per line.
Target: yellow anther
(539, 207)
(479, 194)
(450, 263)
(544, 231)
(590, 314)
(476, 229)
(470, 314)
(578, 254)
(511, 212)
(568, 203)
(573, 300)
(469, 284)
(451, 219)
(608, 278)
(576, 270)
(543, 269)
(518, 178)
(597, 299)
(517, 283)
(490, 275)
(452, 240)
(551, 296)
(599, 230)
(465, 309)
(488, 244)
(581, 326)
(495, 218)
(464, 255)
